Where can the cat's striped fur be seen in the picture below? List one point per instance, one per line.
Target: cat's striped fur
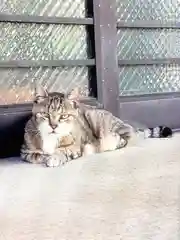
(111, 132)
(103, 122)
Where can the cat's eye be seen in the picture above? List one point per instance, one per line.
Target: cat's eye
(64, 116)
(45, 115)
(42, 115)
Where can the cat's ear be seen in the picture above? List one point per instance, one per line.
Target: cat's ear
(74, 97)
(74, 94)
(40, 93)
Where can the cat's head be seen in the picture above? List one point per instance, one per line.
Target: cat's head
(55, 113)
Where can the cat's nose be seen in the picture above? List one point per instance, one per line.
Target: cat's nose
(54, 126)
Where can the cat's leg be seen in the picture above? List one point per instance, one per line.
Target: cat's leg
(73, 152)
(35, 157)
(38, 157)
(63, 155)
(111, 142)
(89, 149)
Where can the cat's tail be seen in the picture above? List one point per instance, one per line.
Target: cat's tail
(132, 133)
(156, 132)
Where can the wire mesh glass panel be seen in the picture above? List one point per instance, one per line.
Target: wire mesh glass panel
(148, 43)
(42, 42)
(136, 80)
(164, 10)
(17, 84)
(59, 8)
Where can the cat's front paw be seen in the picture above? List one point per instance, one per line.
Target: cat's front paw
(56, 160)
(73, 152)
(53, 161)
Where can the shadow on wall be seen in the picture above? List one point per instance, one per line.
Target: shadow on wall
(12, 123)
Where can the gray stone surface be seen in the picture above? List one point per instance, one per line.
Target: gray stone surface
(132, 194)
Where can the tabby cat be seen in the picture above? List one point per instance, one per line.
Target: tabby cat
(60, 129)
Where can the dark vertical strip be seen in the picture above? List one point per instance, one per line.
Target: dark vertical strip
(91, 49)
(106, 54)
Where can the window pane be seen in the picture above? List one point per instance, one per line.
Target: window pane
(164, 10)
(147, 43)
(149, 79)
(42, 42)
(59, 8)
(17, 84)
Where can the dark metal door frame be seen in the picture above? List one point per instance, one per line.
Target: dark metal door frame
(151, 109)
(102, 25)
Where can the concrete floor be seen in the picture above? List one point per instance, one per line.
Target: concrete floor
(131, 194)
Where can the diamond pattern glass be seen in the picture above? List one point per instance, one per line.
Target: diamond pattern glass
(17, 84)
(164, 10)
(149, 79)
(58, 8)
(42, 42)
(148, 43)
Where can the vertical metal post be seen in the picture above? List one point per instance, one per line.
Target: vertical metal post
(106, 54)
(91, 49)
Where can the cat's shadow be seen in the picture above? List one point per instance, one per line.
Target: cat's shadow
(11, 160)
(11, 135)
